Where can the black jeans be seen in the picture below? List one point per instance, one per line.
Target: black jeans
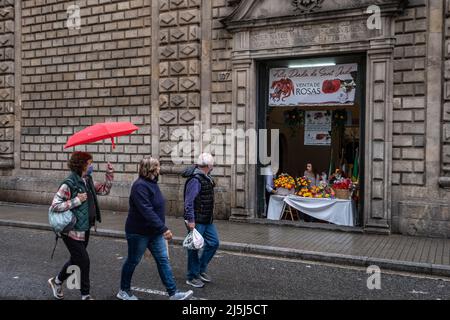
(79, 257)
(267, 198)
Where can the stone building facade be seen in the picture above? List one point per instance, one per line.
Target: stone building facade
(168, 64)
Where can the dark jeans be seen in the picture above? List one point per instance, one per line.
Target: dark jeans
(196, 264)
(136, 248)
(267, 198)
(79, 257)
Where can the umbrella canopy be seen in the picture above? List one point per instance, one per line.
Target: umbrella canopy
(101, 131)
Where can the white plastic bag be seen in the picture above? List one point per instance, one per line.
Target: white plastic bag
(194, 240)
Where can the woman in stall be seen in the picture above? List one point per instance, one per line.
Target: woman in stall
(311, 174)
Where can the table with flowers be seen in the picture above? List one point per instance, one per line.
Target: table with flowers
(316, 201)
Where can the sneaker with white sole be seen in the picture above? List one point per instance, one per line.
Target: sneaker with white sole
(205, 277)
(179, 295)
(56, 288)
(87, 297)
(196, 283)
(124, 295)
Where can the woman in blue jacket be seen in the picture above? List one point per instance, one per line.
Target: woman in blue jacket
(146, 228)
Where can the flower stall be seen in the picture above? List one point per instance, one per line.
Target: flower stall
(285, 184)
(327, 201)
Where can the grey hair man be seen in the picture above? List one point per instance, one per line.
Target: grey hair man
(199, 214)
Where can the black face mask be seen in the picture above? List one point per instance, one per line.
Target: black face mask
(156, 178)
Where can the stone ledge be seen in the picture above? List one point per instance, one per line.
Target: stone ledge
(298, 224)
(424, 218)
(40, 190)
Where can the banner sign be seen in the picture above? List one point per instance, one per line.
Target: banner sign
(326, 85)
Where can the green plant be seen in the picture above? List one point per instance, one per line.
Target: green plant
(339, 118)
(294, 119)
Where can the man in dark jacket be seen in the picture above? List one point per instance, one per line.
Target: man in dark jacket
(198, 214)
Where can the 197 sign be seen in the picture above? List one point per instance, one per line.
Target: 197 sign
(224, 76)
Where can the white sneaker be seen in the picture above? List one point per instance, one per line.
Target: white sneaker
(123, 295)
(56, 288)
(182, 295)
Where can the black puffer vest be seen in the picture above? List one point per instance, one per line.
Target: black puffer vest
(204, 202)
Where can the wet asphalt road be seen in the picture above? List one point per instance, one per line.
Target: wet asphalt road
(25, 267)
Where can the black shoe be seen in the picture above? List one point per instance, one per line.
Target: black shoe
(196, 283)
(204, 277)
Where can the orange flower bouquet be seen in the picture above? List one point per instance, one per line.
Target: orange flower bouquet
(285, 184)
(304, 192)
(317, 192)
(321, 191)
(302, 182)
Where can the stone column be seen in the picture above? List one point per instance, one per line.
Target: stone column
(243, 179)
(18, 84)
(436, 29)
(7, 84)
(378, 135)
(155, 79)
(206, 74)
(179, 69)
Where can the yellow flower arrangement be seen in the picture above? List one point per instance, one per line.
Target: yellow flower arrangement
(304, 192)
(314, 192)
(302, 182)
(284, 181)
(302, 186)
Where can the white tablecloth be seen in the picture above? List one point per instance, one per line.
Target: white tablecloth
(336, 211)
(276, 207)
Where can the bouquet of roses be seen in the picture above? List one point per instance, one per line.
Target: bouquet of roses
(328, 193)
(323, 191)
(343, 184)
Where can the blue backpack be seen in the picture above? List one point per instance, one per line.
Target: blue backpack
(61, 222)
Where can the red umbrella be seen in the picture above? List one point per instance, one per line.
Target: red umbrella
(101, 131)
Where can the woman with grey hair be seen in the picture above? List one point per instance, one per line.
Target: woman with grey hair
(146, 229)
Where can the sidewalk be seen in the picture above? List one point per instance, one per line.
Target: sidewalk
(394, 252)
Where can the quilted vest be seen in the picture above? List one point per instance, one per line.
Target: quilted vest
(76, 186)
(204, 202)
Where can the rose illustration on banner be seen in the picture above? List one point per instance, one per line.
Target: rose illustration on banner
(282, 89)
(331, 86)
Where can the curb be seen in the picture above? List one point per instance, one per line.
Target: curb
(295, 224)
(333, 258)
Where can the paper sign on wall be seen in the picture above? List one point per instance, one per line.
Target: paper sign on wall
(317, 128)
